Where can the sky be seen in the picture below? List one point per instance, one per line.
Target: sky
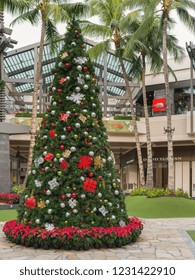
(25, 34)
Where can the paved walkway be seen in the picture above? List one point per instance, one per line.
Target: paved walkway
(161, 239)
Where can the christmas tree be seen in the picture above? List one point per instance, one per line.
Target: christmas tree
(73, 199)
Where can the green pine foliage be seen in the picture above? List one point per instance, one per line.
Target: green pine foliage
(73, 181)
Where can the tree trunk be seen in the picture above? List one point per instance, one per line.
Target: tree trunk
(35, 98)
(149, 178)
(169, 130)
(138, 146)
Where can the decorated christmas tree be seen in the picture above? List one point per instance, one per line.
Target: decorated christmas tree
(73, 199)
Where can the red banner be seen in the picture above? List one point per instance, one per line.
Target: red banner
(159, 105)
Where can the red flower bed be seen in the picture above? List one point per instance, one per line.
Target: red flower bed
(73, 238)
(9, 198)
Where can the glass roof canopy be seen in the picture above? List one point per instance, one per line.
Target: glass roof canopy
(19, 65)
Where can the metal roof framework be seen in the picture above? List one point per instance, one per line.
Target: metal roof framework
(19, 66)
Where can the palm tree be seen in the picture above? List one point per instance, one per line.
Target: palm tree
(165, 8)
(49, 13)
(111, 16)
(150, 49)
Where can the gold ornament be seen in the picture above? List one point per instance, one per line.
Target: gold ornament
(66, 153)
(64, 55)
(82, 118)
(98, 163)
(96, 122)
(41, 204)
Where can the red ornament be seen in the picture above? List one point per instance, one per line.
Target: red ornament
(90, 185)
(52, 133)
(50, 93)
(64, 117)
(59, 90)
(100, 177)
(85, 68)
(83, 46)
(60, 101)
(90, 144)
(62, 147)
(49, 157)
(82, 103)
(64, 165)
(85, 162)
(86, 211)
(30, 202)
(74, 195)
(63, 197)
(91, 174)
(48, 108)
(67, 65)
(75, 114)
(68, 128)
(52, 124)
(42, 169)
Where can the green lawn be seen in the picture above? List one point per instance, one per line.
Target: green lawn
(142, 207)
(7, 215)
(191, 234)
(161, 207)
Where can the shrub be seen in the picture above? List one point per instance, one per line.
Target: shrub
(140, 191)
(157, 192)
(18, 189)
(181, 193)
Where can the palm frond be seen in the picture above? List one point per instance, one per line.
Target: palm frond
(51, 35)
(99, 49)
(186, 18)
(95, 30)
(32, 16)
(16, 5)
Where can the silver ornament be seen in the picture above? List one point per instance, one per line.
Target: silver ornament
(91, 153)
(116, 192)
(77, 89)
(94, 138)
(93, 114)
(79, 67)
(45, 136)
(54, 103)
(62, 205)
(99, 194)
(85, 110)
(75, 211)
(113, 217)
(53, 112)
(67, 78)
(103, 210)
(67, 214)
(86, 133)
(109, 158)
(61, 159)
(37, 221)
(47, 201)
(68, 194)
(46, 168)
(53, 88)
(33, 171)
(73, 149)
(93, 104)
(49, 211)
(48, 192)
(87, 77)
(63, 137)
(60, 64)
(85, 87)
(73, 44)
(44, 153)
(77, 125)
(68, 112)
(82, 178)
(83, 195)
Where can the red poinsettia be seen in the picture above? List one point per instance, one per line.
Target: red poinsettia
(64, 164)
(49, 157)
(52, 133)
(90, 185)
(85, 162)
(30, 202)
(62, 80)
(64, 117)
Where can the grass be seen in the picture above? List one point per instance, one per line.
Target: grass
(161, 207)
(7, 215)
(191, 234)
(142, 207)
